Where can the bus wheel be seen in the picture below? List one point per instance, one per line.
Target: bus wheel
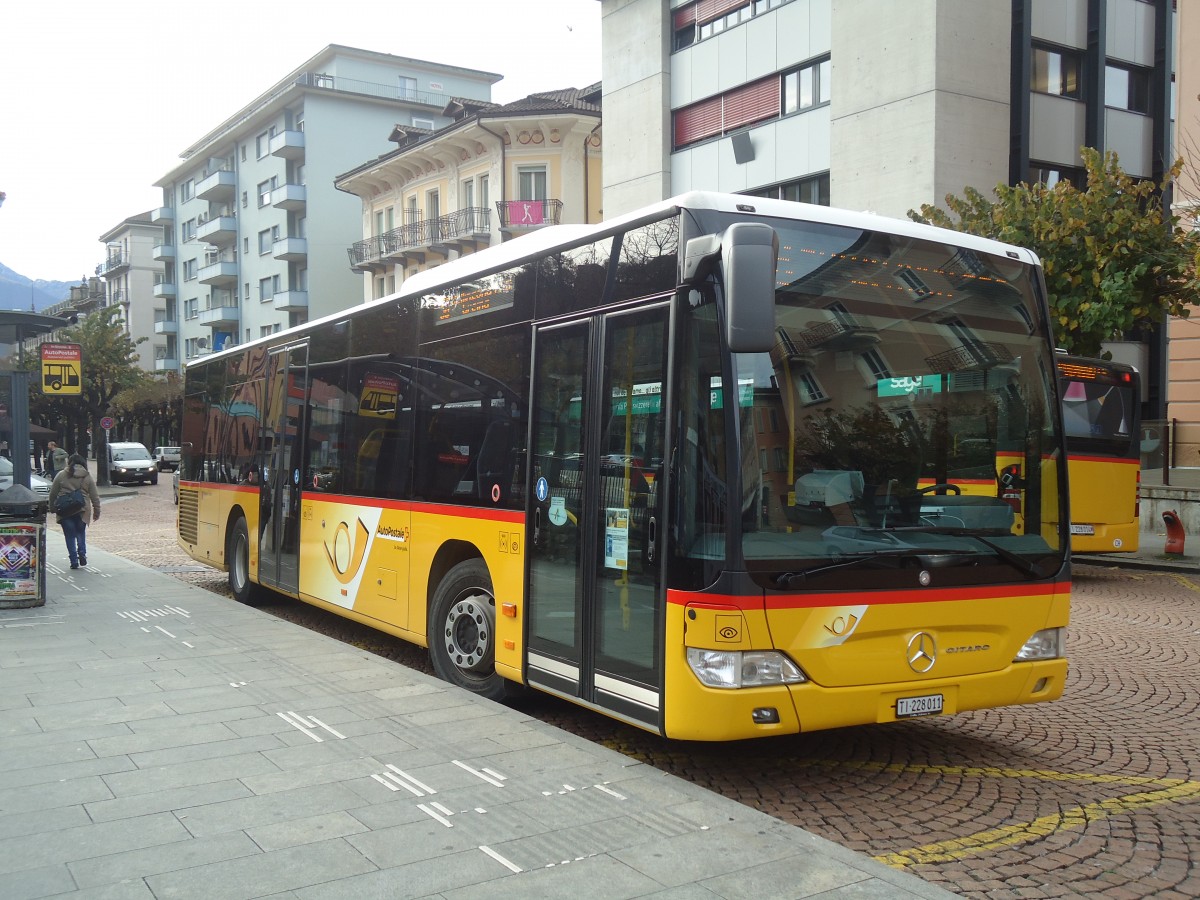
(462, 626)
(237, 555)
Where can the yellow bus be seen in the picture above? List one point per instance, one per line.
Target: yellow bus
(668, 467)
(1102, 420)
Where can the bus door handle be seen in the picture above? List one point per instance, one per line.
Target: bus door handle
(652, 538)
(537, 525)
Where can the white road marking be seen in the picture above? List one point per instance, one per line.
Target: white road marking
(488, 778)
(500, 859)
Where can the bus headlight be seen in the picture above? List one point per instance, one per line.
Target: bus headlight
(1046, 644)
(743, 668)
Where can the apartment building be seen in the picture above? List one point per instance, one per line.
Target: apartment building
(129, 272)
(252, 228)
(430, 200)
(1184, 364)
(881, 105)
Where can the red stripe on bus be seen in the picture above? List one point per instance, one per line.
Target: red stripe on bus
(871, 598)
(1126, 461)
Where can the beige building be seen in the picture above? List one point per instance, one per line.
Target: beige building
(495, 172)
(1184, 355)
(129, 271)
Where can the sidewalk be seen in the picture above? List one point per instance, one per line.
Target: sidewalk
(161, 741)
(1151, 554)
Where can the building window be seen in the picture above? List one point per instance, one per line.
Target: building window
(187, 190)
(189, 270)
(1127, 89)
(189, 230)
(1058, 72)
(806, 87)
(745, 105)
(264, 242)
(267, 288)
(408, 88)
(531, 182)
(876, 364)
(191, 308)
(810, 388)
(245, 199)
(262, 144)
(814, 189)
(264, 191)
(706, 18)
(427, 124)
(1051, 174)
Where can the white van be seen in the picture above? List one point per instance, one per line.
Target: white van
(130, 463)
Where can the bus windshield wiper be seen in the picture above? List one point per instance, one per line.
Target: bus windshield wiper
(1018, 562)
(883, 559)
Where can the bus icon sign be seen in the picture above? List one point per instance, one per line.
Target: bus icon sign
(61, 369)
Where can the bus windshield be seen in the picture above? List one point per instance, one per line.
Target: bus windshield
(905, 417)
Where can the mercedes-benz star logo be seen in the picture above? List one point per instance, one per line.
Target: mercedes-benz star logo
(922, 652)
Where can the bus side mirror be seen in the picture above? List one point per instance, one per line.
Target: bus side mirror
(749, 253)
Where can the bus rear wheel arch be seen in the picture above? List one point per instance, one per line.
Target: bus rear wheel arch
(462, 630)
(237, 558)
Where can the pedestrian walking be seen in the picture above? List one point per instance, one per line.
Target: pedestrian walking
(56, 457)
(76, 502)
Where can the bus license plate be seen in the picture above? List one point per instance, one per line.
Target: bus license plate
(1083, 529)
(929, 705)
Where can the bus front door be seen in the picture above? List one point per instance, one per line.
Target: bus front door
(283, 427)
(596, 595)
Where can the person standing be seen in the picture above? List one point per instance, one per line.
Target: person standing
(76, 477)
(58, 458)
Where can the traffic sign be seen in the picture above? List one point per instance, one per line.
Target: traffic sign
(106, 423)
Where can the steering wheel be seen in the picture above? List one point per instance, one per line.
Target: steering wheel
(941, 489)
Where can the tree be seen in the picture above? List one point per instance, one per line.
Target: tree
(1114, 261)
(109, 367)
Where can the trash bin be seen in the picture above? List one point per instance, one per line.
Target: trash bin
(22, 548)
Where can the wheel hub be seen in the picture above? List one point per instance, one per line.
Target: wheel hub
(469, 628)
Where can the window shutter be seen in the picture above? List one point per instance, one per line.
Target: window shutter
(697, 122)
(707, 10)
(752, 103)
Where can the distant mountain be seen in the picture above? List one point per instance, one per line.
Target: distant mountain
(17, 291)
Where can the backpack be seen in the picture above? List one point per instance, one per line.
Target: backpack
(69, 503)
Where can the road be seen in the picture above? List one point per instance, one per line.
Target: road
(1097, 795)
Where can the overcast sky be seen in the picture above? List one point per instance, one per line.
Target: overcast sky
(97, 100)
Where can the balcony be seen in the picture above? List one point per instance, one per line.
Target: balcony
(115, 264)
(843, 333)
(972, 355)
(164, 289)
(166, 364)
(164, 215)
(220, 317)
(166, 326)
(467, 228)
(222, 273)
(519, 216)
(290, 248)
(218, 187)
(291, 197)
(288, 145)
(219, 230)
(289, 301)
(164, 252)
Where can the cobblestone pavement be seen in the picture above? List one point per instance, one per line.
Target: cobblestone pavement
(1097, 795)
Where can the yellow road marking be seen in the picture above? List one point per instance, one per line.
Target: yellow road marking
(1018, 833)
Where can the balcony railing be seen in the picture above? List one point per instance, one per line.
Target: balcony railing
(467, 225)
(517, 214)
(975, 355)
(119, 260)
(371, 89)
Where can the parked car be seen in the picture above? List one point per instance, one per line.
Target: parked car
(129, 463)
(38, 484)
(166, 458)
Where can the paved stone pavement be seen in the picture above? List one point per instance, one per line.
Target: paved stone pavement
(160, 741)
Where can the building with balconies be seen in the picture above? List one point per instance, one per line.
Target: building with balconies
(127, 273)
(250, 235)
(494, 172)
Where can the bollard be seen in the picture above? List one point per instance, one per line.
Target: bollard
(1174, 545)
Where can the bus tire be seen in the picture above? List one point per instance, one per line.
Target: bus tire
(462, 631)
(237, 554)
